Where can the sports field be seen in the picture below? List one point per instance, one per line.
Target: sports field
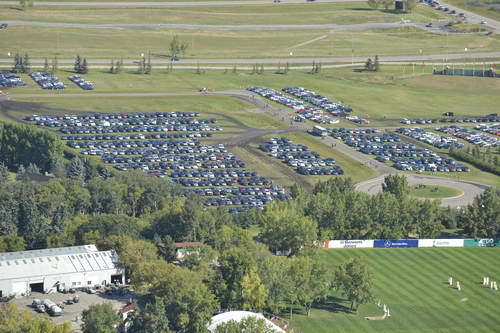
(413, 283)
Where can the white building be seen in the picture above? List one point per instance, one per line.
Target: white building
(50, 269)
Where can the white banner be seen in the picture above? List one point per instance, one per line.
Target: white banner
(440, 243)
(350, 244)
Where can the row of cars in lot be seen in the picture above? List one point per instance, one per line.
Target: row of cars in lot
(389, 147)
(489, 128)
(473, 137)
(47, 80)
(81, 82)
(9, 80)
(126, 142)
(303, 109)
(491, 118)
(299, 157)
(438, 141)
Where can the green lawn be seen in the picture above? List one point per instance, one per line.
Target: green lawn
(268, 14)
(434, 191)
(412, 282)
(40, 42)
(383, 97)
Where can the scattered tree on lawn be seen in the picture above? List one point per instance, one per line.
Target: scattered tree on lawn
(355, 281)
(177, 47)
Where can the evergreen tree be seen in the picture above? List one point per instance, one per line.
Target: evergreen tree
(234, 69)
(26, 63)
(18, 64)
(262, 69)
(112, 67)
(78, 64)
(148, 67)
(32, 168)
(369, 64)
(84, 68)
(21, 172)
(46, 65)
(55, 65)
(376, 65)
(287, 68)
(118, 68)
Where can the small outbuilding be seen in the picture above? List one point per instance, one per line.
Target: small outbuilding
(55, 269)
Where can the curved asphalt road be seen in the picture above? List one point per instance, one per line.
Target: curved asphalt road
(470, 189)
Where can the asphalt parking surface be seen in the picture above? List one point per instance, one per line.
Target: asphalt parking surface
(70, 312)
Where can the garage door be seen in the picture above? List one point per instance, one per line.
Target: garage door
(19, 287)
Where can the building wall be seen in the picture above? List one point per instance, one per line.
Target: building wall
(70, 280)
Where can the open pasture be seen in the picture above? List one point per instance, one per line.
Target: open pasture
(413, 283)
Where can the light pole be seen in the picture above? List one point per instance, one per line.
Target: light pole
(465, 60)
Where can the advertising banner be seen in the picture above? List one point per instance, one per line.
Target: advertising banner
(482, 242)
(350, 244)
(440, 243)
(381, 243)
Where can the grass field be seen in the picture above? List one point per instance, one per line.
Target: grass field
(434, 191)
(269, 14)
(383, 97)
(413, 283)
(40, 42)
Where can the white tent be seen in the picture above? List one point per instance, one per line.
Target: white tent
(239, 316)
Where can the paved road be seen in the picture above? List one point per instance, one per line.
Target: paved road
(170, 4)
(325, 60)
(331, 27)
(470, 189)
(472, 17)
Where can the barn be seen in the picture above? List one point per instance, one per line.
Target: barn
(55, 269)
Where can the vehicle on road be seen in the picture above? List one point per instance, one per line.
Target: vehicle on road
(484, 22)
(3, 26)
(175, 59)
(429, 25)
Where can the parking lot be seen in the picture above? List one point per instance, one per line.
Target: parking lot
(475, 138)
(9, 80)
(70, 312)
(138, 141)
(47, 81)
(389, 147)
(438, 141)
(304, 161)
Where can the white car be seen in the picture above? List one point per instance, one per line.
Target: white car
(484, 22)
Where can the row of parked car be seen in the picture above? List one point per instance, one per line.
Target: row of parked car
(476, 138)
(486, 119)
(338, 132)
(492, 129)
(139, 129)
(304, 161)
(108, 116)
(438, 141)
(47, 80)
(9, 80)
(389, 147)
(81, 82)
(121, 137)
(180, 158)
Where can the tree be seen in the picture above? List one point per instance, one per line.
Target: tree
(150, 317)
(148, 67)
(482, 217)
(284, 229)
(411, 4)
(310, 281)
(32, 168)
(76, 169)
(4, 173)
(254, 293)
(18, 64)
(274, 273)
(355, 280)
(11, 243)
(373, 4)
(177, 47)
(118, 68)
(376, 64)
(100, 318)
(112, 67)
(78, 64)
(26, 63)
(369, 64)
(85, 68)
(55, 65)
(46, 65)
(248, 324)
(427, 219)
(397, 185)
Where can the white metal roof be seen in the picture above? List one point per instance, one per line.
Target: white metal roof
(39, 263)
(239, 316)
